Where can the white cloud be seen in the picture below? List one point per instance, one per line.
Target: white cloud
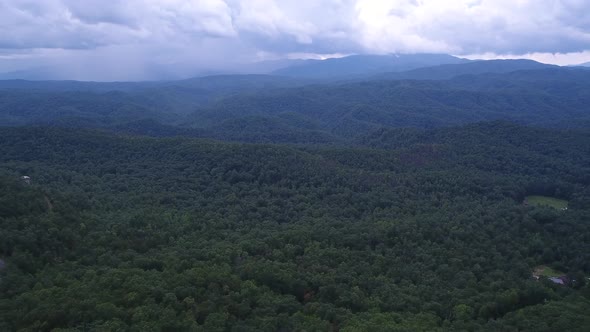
(562, 59)
(469, 26)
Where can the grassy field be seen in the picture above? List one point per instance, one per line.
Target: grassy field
(546, 271)
(546, 201)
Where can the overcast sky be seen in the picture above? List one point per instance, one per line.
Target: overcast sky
(143, 39)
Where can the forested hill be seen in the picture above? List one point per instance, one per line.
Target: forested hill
(271, 109)
(103, 104)
(549, 97)
(420, 230)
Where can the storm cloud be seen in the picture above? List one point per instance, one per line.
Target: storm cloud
(140, 39)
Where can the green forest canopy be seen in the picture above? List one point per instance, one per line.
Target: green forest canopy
(410, 230)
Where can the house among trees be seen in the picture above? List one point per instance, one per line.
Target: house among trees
(559, 280)
(26, 179)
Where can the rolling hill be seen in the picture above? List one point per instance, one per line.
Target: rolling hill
(549, 97)
(262, 108)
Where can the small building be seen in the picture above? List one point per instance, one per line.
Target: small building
(26, 179)
(559, 280)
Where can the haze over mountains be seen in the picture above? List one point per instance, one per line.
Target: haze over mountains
(362, 65)
(324, 101)
(331, 68)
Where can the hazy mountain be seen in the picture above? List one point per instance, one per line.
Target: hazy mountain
(238, 83)
(358, 65)
(270, 66)
(448, 71)
(152, 72)
(149, 72)
(229, 83)
(69, 85)
(37, 73)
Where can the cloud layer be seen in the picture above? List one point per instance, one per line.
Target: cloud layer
(196, 35)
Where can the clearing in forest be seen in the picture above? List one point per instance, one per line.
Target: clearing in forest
(555, 203)
(546, 271)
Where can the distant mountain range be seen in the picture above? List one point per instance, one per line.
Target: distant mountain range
(320, 109)
(334, 68)
(543, 97)
(151, 73)
(392, 66)
(398, 66)
(448, 71)
(361, 65)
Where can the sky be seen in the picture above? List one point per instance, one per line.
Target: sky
(154, 39)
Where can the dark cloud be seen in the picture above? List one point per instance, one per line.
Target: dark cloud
(189, 36)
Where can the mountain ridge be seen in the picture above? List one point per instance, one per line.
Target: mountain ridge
(448, 71)
(360, 65)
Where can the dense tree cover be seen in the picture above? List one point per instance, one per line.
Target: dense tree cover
(411, 230)
(70, 109)
(113, 104)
